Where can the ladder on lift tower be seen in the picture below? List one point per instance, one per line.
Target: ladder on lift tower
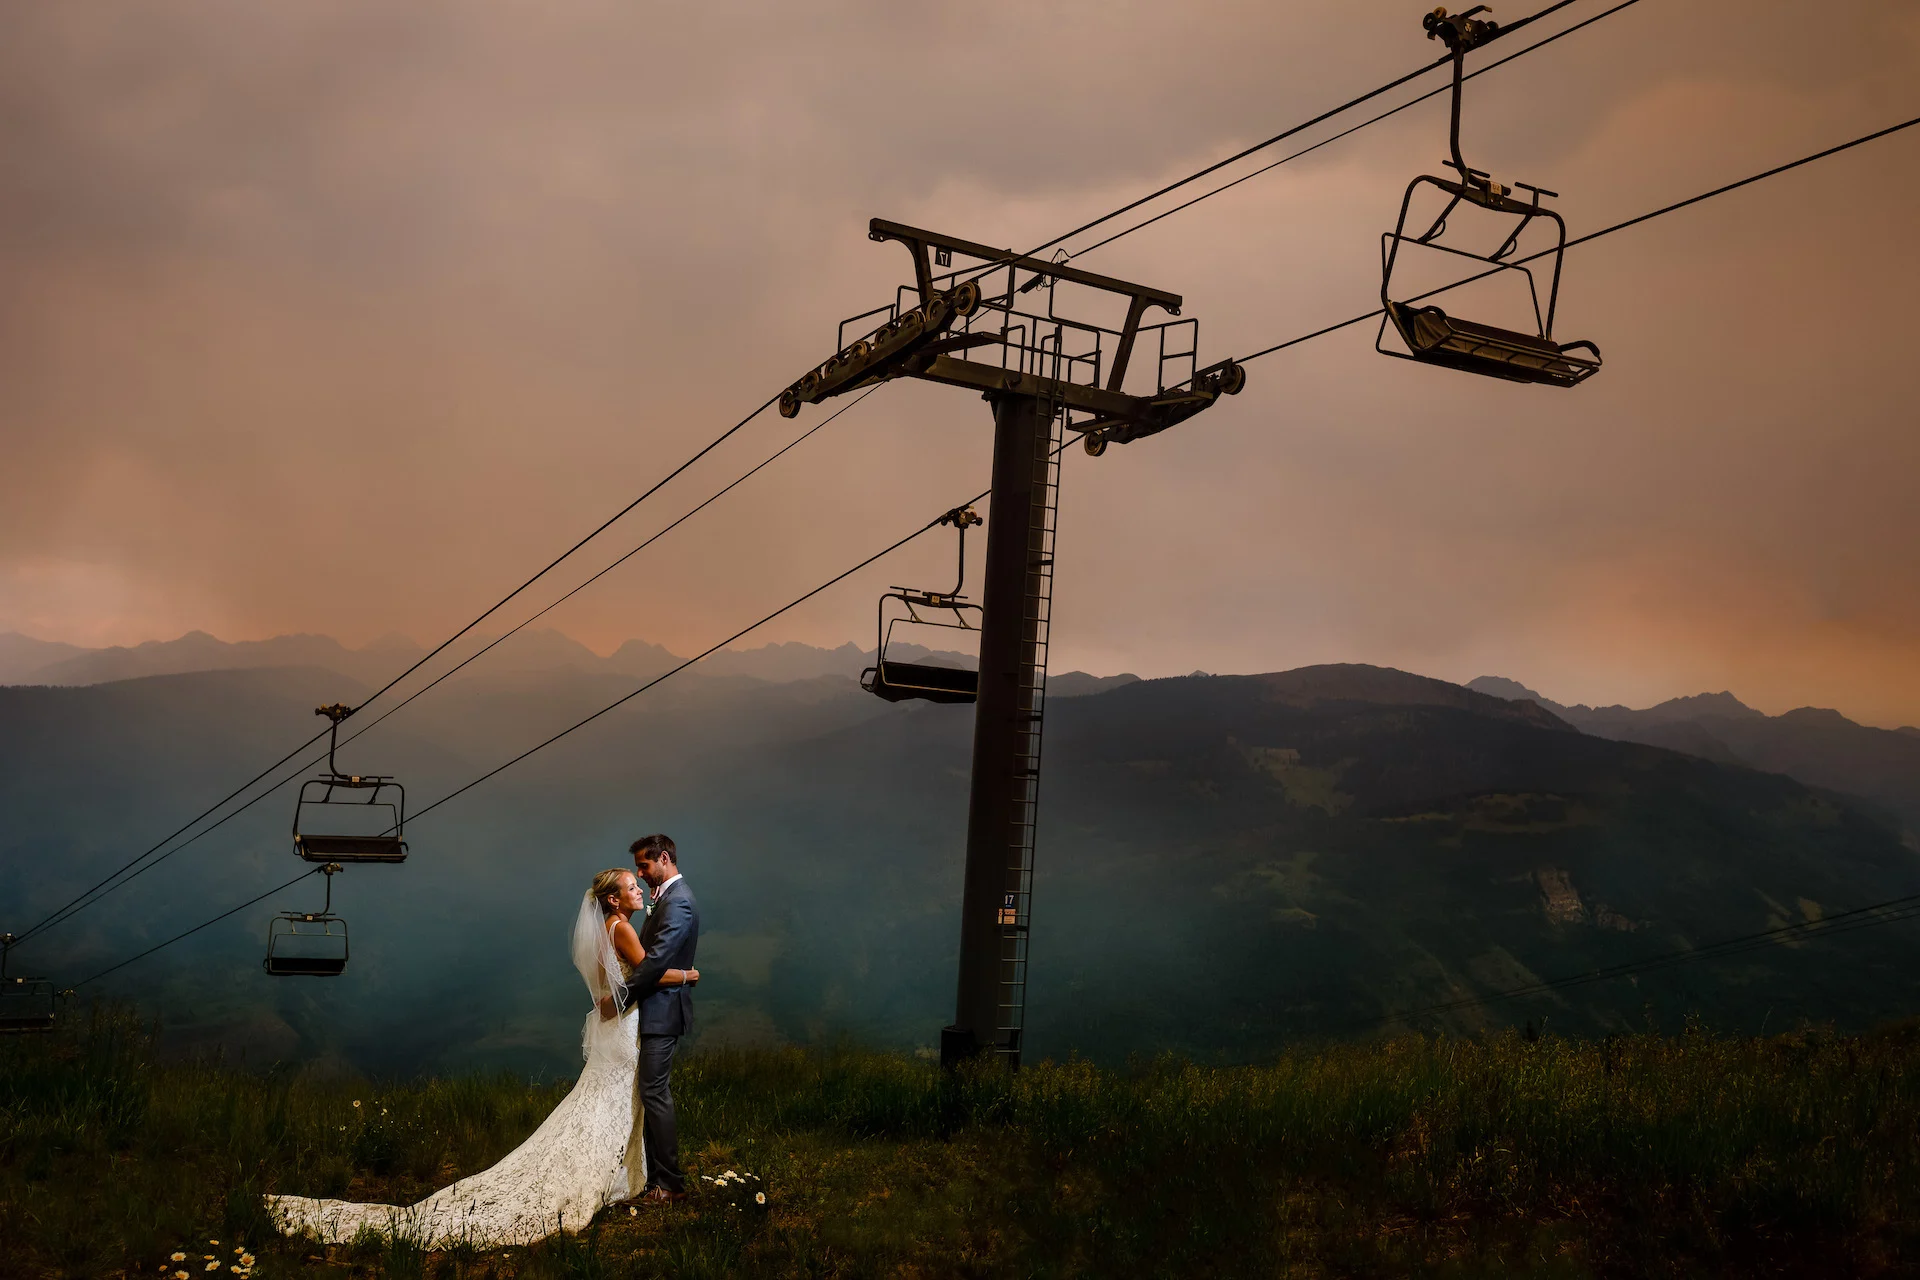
(1036, 619)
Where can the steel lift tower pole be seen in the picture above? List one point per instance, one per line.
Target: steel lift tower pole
(1045, 372)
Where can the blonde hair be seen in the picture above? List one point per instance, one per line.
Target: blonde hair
(607, 882)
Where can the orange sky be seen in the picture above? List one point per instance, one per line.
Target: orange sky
(344, 317)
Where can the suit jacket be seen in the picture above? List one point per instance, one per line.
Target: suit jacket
(670, 937)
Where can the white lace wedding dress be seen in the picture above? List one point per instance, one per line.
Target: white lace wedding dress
(584, 1155)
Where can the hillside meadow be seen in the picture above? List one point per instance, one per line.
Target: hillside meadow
(1637, 1154)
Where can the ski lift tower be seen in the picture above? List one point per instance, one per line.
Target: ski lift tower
(1050, 347)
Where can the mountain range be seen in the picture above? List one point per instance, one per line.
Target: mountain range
(25, 660)
(1813, 744)
(1227, 865)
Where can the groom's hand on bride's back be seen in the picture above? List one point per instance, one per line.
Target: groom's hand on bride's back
(608, 1009)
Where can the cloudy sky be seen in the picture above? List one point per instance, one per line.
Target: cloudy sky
(345, 317)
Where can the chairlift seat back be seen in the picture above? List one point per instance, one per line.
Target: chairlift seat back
(306, 946)
(1434, 337)
(330, 828)
(26, 1004)
(901, 681)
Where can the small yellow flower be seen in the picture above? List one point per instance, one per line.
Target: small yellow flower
(759, 1197)
(181, 1275)
(213, 1242)
(632, 1212)
(214, 1265)
(179, 1257)
(356, 1102)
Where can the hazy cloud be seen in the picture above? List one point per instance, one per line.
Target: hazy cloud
(344, 317)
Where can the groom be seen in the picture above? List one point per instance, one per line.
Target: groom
(666, 1013)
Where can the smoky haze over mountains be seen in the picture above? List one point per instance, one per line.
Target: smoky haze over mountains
(337, 319)
(1299, 854)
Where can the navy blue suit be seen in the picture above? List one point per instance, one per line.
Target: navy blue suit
(670, 938)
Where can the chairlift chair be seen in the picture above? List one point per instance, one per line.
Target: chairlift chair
(897, 680)
(350, 829)
(1431, 335)
(305, 944)
(26, 1004)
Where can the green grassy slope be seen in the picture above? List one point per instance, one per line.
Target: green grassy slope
(1633, 1155)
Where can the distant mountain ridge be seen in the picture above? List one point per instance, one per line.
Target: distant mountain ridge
(25, 660)
(1344, 844)
(1815, 745)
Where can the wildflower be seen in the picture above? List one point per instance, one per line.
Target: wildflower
(235, 1268)
(356, 1104)
(181, 1275)
(213, 1242)
(632, 1212)
(759, 1197)
(179, 1257)
(214, 1265)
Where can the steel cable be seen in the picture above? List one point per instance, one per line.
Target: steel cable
(1595, 235)
(104, 889)
(1372, 120)
(618, 702)
(79, 902)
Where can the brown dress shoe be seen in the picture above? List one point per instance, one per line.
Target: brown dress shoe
(660, 1195)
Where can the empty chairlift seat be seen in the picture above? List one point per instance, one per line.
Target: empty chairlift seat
(930, 615)
(900, 681)
(1434, 337)
(1430, 334)
(332, 823)
(306, 946)
(26, 1004)
(346, 817)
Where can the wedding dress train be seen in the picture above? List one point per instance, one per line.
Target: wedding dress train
(585, 1154)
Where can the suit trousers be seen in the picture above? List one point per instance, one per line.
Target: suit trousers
(655, 1087)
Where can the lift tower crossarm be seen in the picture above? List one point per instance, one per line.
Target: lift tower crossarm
(1140, 296)
(919, 241)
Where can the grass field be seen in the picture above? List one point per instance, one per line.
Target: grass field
(1644, 1155)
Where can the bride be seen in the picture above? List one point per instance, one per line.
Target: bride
(585, 1155)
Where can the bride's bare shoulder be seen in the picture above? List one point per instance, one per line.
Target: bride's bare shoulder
(625, 941)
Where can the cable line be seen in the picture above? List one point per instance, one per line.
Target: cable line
(1282, 136)
(790, 605)
(197, 928)
(935, 523)
(74, 908)
(1605, 231)
(62, 912)
(1892, 911)
(490, 610)
(1411, 102)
